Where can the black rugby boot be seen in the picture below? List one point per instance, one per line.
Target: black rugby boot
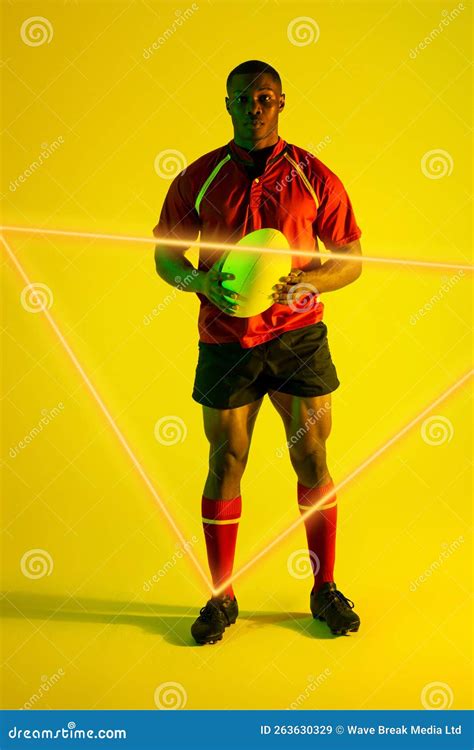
(214, 618)
(335, 609)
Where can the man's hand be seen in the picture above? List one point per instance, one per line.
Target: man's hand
(333, 274)
(210, 285)
(290, 289)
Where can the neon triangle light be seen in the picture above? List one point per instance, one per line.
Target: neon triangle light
(300, 520)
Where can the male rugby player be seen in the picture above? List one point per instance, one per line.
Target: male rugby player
(258, 180)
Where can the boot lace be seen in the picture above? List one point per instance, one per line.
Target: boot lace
(340, 601)
(208, 611)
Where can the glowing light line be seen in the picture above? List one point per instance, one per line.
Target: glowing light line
(238, 248)
(395, 438)
(112, 423)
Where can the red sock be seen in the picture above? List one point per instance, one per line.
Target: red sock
(220, 520)
(320, 530)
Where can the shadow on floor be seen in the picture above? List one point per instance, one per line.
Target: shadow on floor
(170, 622)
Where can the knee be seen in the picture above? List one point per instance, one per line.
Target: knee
(310, 464)
(228, 462)
(312, 471)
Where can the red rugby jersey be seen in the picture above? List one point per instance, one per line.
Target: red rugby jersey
(296, 194)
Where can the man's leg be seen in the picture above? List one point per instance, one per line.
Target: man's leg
(307, 424)
(229, 432)
(227, 385)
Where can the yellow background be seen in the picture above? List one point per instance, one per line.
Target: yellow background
(74, 492)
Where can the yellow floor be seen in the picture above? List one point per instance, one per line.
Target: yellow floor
(103, 642)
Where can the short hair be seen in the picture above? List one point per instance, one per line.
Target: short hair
(253, 66)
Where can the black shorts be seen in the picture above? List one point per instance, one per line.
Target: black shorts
(296, 362)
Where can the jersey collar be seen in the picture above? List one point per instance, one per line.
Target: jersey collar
(239, 154)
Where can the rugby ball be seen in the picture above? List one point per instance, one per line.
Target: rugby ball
(256, 272)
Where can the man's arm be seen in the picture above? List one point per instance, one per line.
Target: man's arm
(337, 272)
(174, 268)
(333, 274)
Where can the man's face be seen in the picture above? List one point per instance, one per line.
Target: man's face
(254, 103)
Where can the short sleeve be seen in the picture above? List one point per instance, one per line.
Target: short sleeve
(335, 222)
(178, 219)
